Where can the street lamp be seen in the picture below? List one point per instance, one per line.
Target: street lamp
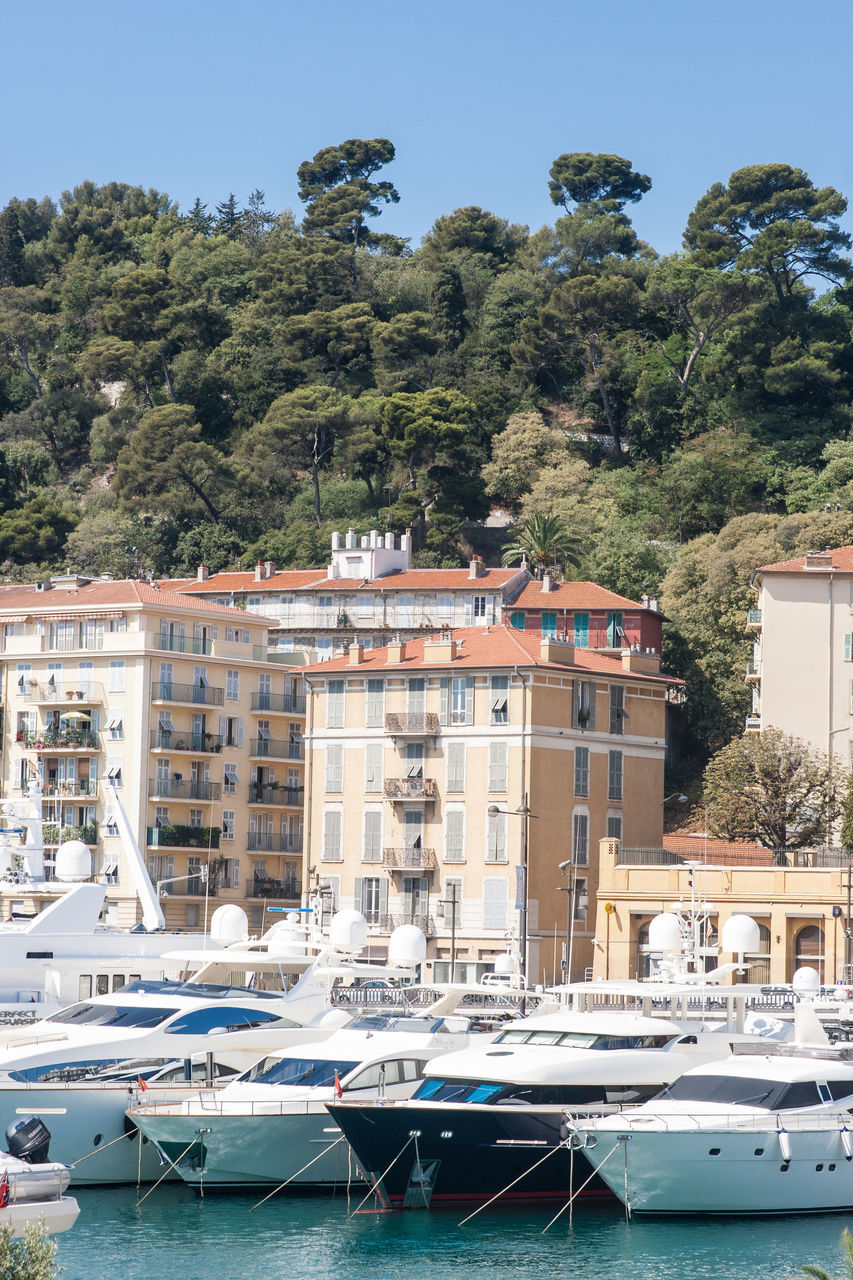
(523, 812)
(676, 795)
(568, 889)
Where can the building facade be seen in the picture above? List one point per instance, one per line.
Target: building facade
(587, 616)
(171, 704)
(440, 766)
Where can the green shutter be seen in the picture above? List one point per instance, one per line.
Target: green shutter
(444, 707)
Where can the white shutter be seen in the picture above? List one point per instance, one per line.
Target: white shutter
(334, 766)
(373, 766)
(454, 835)
(497, 766)
(455, 766)
(372, 847)
(332, 835)
(495, 897)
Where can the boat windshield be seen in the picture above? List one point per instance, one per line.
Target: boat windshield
(301, 1071)
(744, 1091)
(583, 1039)
(393, 1022)
(113, 1015)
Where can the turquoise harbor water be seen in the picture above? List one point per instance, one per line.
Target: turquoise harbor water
(176, 1236)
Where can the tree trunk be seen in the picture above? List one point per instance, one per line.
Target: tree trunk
(25, 361)
(169, 388)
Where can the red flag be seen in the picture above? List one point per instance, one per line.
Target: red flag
(339, 1093)
(4, 1191)
(142, 1085)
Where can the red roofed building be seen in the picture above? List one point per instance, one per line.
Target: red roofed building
(586, 615)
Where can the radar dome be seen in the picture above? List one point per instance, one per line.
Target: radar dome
(286, 940)
(229, 924)
(348, 930)
(504, 963)
(741, 935)
(665, 932)
(407, 946)
(73, 861)
(805, 981)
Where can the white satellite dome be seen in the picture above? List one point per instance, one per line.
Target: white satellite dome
(741, 935)
(348, 930)
(407, 946)
(665, 932)
(286, 940)
(504, 963)
(805, 981)
(73, 861)
(229, 924)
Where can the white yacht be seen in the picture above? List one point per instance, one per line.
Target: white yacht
(755, 1134)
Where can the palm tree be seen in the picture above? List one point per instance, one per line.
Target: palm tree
(818, 1273)
(545, 543)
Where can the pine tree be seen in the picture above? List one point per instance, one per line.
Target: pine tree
(199, 220)
(229, 219)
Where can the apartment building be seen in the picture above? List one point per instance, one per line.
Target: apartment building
(171, 703)
(440, 766)
(369, 590)
(587, 616)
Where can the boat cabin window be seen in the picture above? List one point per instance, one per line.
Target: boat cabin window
(112, 1015)
(397, 1071)
(746, 1091)
(840, 1089)
(102, 984)
(299, 1071)
(85, 986)
(197, 1073)
(62, 1072)
(201, 1021)
(583, 1039)
(498, 1092)
(393, 1022)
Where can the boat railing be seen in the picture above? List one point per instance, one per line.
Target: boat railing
(769, 1123)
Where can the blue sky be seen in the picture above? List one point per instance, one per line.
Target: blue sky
(202, 97)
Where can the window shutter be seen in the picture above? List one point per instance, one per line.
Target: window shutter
(469, 610)
(497, 766)
(334, 766)
(358, 894)
(469, 699)
(223, 728)
(495, 894)
(454, 835)
(848, 647)
(456, 766)
(383, 897)
(591, 702)
(444, 706)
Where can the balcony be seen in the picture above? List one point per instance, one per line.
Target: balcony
(281, 890)
(53, 834)
(411, 724)
(194, 694)
(424, 922)
(184, 644)
(753, 723)
(178, 740)
(276, 793)
(753, 620)
(63, 693)
(409, 859)
(76, 740)
(181, 789)
(284, 704)
(173, 836)
(403, 789)
(269, 842)
(277, 749)
(68, 788)
(753, 670)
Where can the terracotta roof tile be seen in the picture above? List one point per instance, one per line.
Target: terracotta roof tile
(104, 595)
(838, 558)
(572, 595)
(297, 579)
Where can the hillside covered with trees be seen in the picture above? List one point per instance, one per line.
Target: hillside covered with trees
(179, 386)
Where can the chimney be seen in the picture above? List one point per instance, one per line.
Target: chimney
(336, 542)
(553, 650)
(644, 600)
(259, 572)
(647, 664)
(396, 651)
(547, 582)
(476, 568)
(269, 568)
(203, 573)
(356, 653)
(442, 649)
(818, 560)
(653, 604)
(351, 541)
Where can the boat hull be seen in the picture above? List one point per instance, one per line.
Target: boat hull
(55, 1215)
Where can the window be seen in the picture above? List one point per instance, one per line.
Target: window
(583, 704)
(371, 849)
(516, 619)
(580, 839)
(196, 818)
(335, 705)
(231, 729)
(193, 915)
(118, 624)
(581, 630)
(228, 821)
(455, 756)
(617, 708)
(368, 898)
(496, 838)
(161, 815)
(404, 611)
(848, 647)
(549, 626)
(113, 770)
(416, 696)
(580, 900)
(497, 766)
(614, 775)
(445, 610)
(482, 612)
(232, 685)
(495, 901)
(614, 631)
(264, 732)
(117, 675)
(115, 726)
(375, 704)
(373, 766)
(614, 827)
(332, 822)
(231, 779)
(452, 900)
(457, 700)
(365, 607)
(414, 759)
(454, 835)
(581, 771)
(335, 766)
(499, 699)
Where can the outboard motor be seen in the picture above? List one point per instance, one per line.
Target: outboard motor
(29, 1139)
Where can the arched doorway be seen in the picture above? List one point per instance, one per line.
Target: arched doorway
(809, 949)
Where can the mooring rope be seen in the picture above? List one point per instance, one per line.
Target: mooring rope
(97, 1150)
(196, 1139)
(510, 1185)
(575, 1194)
(282, 1185)
(373, 1189)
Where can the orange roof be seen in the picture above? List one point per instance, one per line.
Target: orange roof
(710, 850)
(284, 580)
(838, 558)
(573, 595)
(100, 594)
(296, 579)
(479, 647)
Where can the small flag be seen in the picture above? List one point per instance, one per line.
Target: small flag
(142, 1085)
(4, 1191)
(339, 1093)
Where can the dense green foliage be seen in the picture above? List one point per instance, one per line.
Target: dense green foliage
(221, 384)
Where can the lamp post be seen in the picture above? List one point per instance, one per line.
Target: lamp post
(568, 889)
(523, 812)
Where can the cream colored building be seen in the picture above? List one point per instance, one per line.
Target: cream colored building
(423, 753)
(172, 702)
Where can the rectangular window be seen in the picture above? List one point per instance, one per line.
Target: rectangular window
(335, 766)
(581, 771)
(228, 821)
(614, 828)
(583, 704)
(581, 900)
(404, 611)
(332, 822)
(117, 675)
(461, 700)
(499, 699)
(496, 838)
(414, 759)
(113, 770)
(232, 685)
(115, 726)
(445, 610)
(549, 626)
(454, 835)
(617, 708)
(482, 612)
(455, 756)
(848, 647)
(582, 630)
(375, 704)
(196, 818)
(495, 901)
(373, 766)
(118, 624)
(416, 696)
(615, 633)
(371, 850)
(335, 705)
(368, 901)
(580, 839)
(451, 900)
(498, 766)
(231, 779)
(614, 775)
(516, 619)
